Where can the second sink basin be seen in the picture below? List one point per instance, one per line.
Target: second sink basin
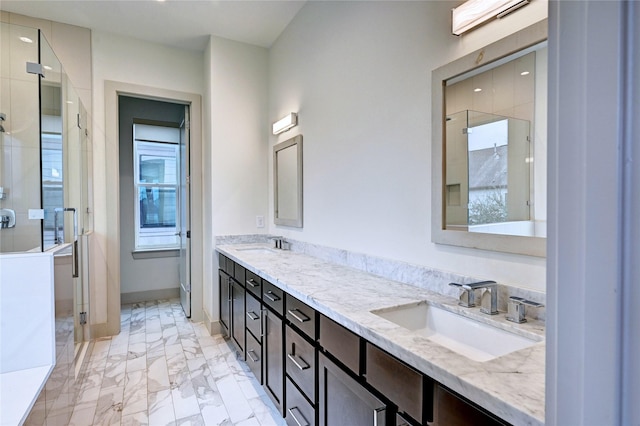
(475, 340)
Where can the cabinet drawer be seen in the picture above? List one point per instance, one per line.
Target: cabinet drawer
(299, 411)
(254, 316)
(239, 273)
(341, 343)
(273, 297)
(225, 264)
(253, 283)
(400, 383)
(301, 316)
(254, 357)
(300, 362)
(452, 410)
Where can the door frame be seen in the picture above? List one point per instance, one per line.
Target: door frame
(112, 90)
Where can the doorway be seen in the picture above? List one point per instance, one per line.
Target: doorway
(105, 284)
(154, 200)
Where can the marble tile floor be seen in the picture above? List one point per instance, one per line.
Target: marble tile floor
(163, 369)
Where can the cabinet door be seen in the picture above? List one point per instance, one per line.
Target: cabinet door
(273, 362)
(238, 313)
(345, 402)
(225, 301)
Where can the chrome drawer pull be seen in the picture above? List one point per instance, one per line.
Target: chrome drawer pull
(300, 316)
(271, 296)
(252, 283)
(379, 416)
(301, 364)
(251, 351)
(295, 418)
(253, 316)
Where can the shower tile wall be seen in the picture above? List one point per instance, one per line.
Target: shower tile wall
(20, 142)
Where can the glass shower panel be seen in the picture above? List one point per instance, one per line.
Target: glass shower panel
(52, 137)
(19, 139)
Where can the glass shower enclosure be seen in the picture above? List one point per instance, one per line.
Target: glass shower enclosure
(45, 167)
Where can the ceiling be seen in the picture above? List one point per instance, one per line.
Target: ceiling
(180, 23)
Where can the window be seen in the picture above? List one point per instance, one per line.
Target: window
(157, 187)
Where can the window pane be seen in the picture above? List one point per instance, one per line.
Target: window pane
(157, 226)
(157, 207)
(158, 169)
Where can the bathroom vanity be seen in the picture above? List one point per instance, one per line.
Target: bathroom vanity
(333, 345)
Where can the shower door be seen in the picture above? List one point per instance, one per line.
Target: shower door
(185, 204)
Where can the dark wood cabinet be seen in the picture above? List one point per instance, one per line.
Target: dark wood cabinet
(316, 371)
(273, 358)
(453, 410)
(300, 362)
(300, 412)
(254, 316)
(409, 389)
(237, 317)
(342, 344)
(302, 317)
(225, 301)
(254, 356)
(253, 284)
(343, 401)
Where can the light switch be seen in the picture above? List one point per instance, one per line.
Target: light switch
(260, 221)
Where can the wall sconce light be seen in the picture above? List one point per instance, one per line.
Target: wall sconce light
(286, 123)
(473, 13)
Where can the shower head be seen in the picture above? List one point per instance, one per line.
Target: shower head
(1, 128)
(3, 117)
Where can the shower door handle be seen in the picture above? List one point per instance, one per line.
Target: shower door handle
(74, 252)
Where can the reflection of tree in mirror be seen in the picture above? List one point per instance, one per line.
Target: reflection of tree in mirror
(488, 208)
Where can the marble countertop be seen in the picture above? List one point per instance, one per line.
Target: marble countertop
(511, 386)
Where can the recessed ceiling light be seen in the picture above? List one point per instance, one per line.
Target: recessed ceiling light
(26, 40)
(477, 89)
(524, 73)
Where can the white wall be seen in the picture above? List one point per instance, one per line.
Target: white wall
(359, 75)
(132, 61)
(239, 144)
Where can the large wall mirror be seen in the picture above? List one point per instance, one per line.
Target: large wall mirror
(287, 182)
(489, 157)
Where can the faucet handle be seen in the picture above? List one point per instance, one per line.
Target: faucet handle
(516, 309)
(468, 295)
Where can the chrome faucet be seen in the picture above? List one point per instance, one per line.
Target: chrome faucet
(488, 305)
(516, 309)
(280, 243)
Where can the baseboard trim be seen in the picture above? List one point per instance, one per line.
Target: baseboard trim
(149, 295)
(213, 326)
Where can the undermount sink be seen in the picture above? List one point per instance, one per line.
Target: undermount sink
(257, 249)
(473, 339)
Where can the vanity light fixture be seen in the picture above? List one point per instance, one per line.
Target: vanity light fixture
(473, 13)
(285, 123)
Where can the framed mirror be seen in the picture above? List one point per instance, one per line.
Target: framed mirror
(287, 182)
(489, 114)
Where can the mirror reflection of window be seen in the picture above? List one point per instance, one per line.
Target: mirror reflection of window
(490, 170)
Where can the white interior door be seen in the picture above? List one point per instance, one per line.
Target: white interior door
(185, 202)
